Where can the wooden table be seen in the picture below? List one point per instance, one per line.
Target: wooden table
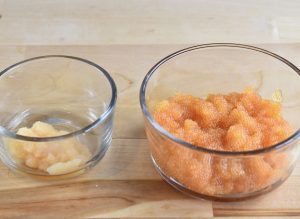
(127, 38)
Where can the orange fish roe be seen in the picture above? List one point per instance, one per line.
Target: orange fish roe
(233, 122)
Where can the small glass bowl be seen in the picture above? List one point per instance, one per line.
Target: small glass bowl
(70, 93)
(221, 68)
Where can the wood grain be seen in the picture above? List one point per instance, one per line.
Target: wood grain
(100, 199)
(94, 22)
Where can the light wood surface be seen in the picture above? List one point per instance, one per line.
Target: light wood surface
(95, 22)
(127, 38)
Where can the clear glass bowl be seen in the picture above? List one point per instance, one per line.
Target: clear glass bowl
(221, 68)
(74, 95)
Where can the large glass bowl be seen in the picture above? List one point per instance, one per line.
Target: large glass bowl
(221, 68)
(74, 95)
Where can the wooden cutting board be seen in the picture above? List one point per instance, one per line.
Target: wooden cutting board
(124, 183)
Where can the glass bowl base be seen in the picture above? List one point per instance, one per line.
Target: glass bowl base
(44, 176)
(222, 198)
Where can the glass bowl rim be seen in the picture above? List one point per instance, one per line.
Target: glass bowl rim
(99, 120)
(171, 137)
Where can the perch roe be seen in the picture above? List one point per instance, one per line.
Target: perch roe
(232, 122)
(54, 157)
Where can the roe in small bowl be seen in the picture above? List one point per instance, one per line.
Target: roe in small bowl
(56, 115)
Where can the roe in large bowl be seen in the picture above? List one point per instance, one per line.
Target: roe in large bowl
(232, 122)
